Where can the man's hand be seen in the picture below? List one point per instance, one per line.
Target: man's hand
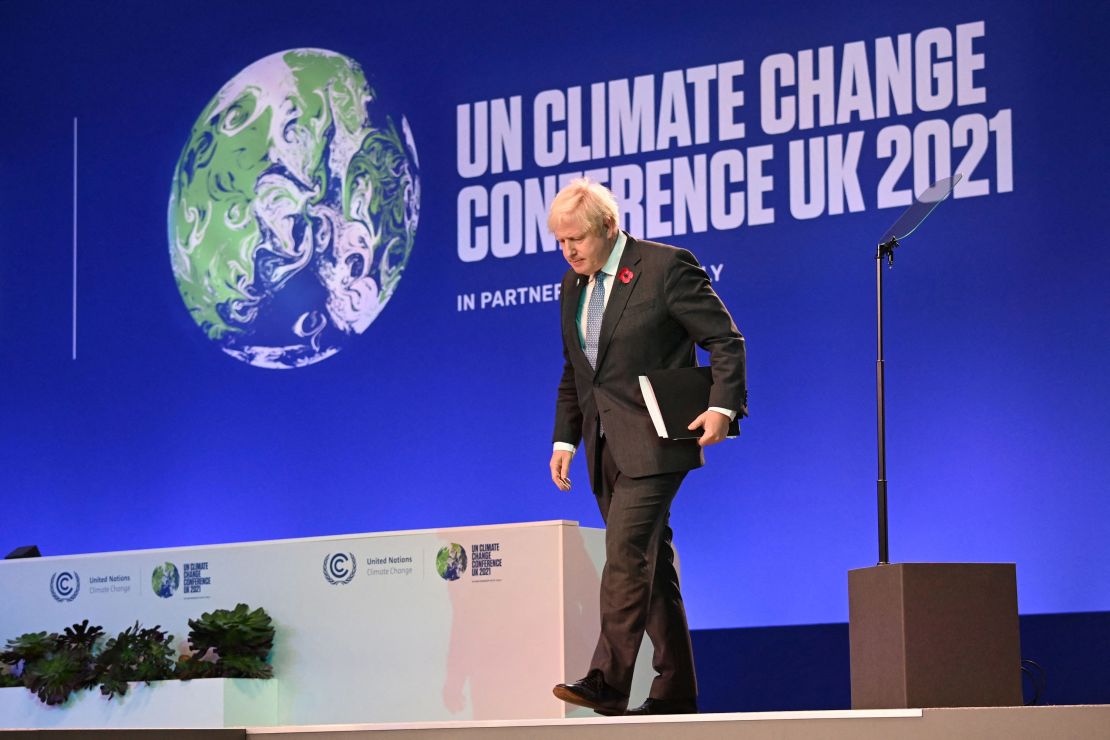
(714, 426)
(560, 466)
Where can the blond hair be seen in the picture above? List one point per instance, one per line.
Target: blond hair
(591, 204)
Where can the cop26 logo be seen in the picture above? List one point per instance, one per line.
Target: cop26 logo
(65, 585)
(451, 562)
(339, 568)
(165, 580)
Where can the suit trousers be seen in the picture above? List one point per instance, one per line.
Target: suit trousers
(639, 585)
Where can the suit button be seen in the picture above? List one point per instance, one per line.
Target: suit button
(597, 384)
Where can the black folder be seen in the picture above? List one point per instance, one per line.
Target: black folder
(676, 397)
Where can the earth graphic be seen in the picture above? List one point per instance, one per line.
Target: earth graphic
(451, 562)
(165, 580)
(293, 210)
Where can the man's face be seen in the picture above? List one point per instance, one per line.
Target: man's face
(585, 250)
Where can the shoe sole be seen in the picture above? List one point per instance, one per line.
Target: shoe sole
(661, 711)
(572, 698)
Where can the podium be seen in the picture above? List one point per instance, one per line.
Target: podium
(934, 635)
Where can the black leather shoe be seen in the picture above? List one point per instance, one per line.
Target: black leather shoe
(593, 693)
(664, 706)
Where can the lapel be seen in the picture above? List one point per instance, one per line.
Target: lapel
(571, 300)
(618, 299)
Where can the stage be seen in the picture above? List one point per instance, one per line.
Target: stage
(1001, 723)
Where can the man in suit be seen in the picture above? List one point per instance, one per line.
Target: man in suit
(630, 307)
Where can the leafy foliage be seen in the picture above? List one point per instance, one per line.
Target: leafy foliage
(226, 643)
(136, 654)
(245, 666)
(28, 647)
(192, 666)
(240, 638)
(237, 631)
(80, 637)
(53, 666)
(55, 676)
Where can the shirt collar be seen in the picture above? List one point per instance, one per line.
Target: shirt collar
(614, 261)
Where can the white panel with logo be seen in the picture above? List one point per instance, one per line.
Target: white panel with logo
(469, 623)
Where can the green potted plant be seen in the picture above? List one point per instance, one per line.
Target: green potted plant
(53, 665)
(136, 654)
(225, 643)
(229, 643)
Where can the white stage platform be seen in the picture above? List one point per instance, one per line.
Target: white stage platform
(988, 723)
(991, 723)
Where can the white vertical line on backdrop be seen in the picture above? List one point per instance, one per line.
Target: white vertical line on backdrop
(75, 238)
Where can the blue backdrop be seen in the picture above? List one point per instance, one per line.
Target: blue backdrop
(997, 314)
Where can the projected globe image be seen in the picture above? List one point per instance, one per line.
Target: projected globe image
(293, 210)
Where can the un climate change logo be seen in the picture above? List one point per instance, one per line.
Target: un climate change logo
(339, 569)
(451, 562)
(65, 586)
(293, 209)
(165, 580)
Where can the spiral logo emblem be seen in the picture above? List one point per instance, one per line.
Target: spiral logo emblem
(339, 568)
(65, 585)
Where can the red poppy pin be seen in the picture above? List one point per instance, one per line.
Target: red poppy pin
(625, 276)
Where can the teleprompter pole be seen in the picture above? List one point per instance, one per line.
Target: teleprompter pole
(886, 249)
(906, 224)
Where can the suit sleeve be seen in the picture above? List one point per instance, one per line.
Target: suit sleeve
(692, 302)
(568, 413)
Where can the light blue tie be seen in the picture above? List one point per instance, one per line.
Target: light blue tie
(593, 318)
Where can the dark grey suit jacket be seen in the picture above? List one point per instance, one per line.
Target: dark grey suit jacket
(651, 322)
